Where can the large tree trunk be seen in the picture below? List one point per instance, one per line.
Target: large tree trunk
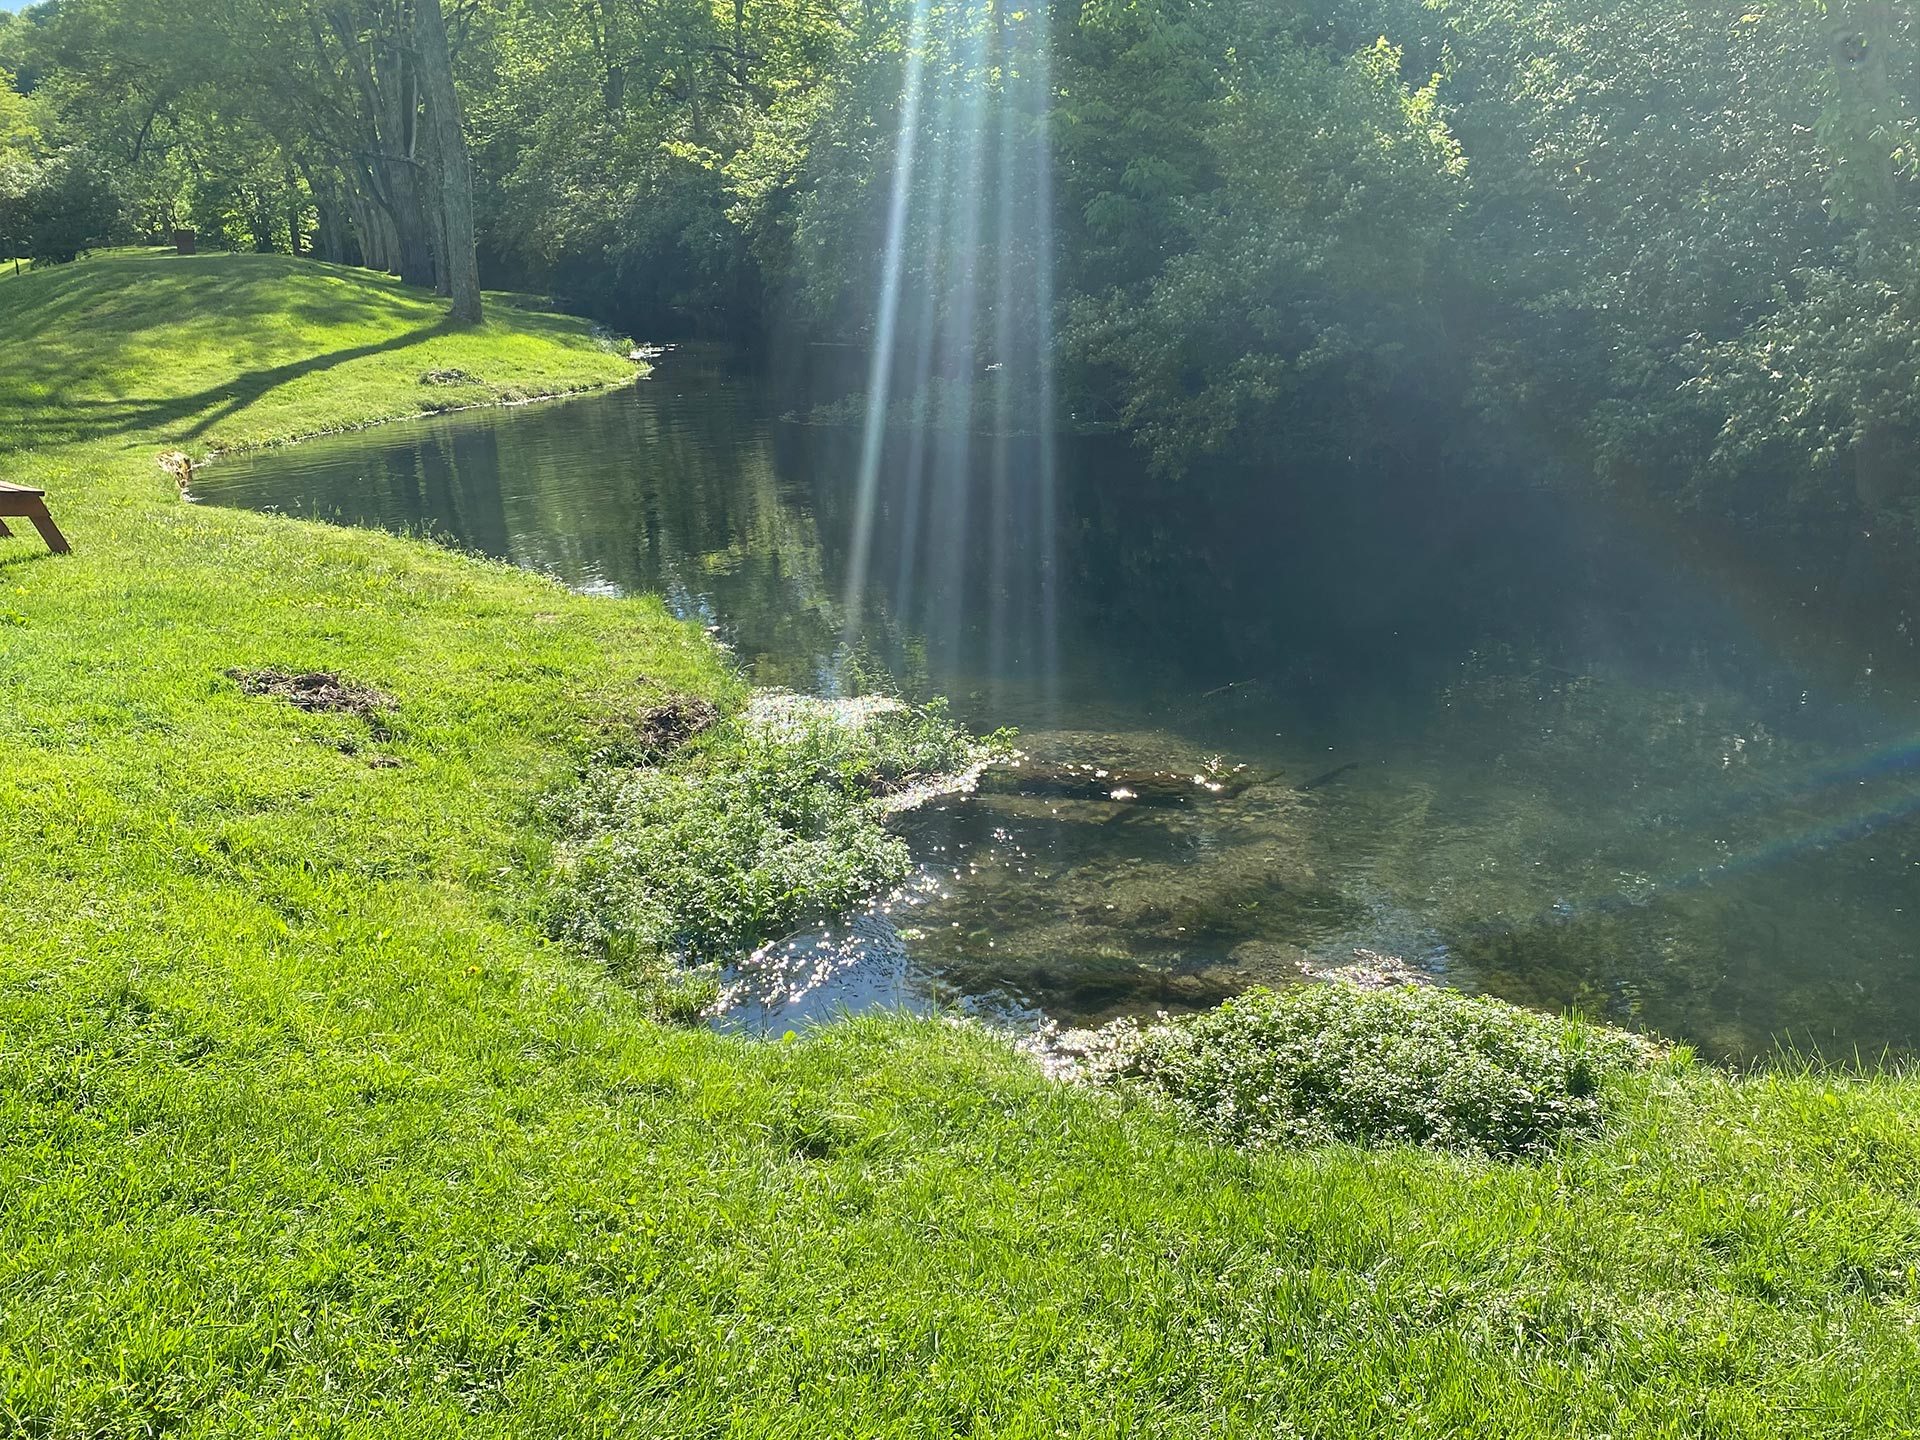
(400, 185)
(433, 194)
(405, 206)
(379, 247)
(332, 233)
(442, 265)
(296, 212)
(332, 229)
(461, 267)
(340, 239)
(384, 186)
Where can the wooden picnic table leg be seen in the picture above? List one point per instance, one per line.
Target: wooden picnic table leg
(49, 532)
(4, 531)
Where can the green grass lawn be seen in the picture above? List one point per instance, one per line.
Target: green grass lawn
(304, 1129)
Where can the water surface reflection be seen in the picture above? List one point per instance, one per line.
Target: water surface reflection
(1543, 748)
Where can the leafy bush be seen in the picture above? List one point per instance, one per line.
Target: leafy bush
(770, 819)
(1414, 1066)
(53, 210)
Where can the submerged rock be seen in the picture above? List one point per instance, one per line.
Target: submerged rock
(1086, 781)
(1374, 970)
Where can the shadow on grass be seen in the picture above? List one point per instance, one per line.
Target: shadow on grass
(232, 396)
(77, 420)
(175, 347)
(16, 552)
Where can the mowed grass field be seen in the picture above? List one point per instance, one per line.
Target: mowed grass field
(304, 1128)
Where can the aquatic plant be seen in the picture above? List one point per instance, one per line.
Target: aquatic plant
(1405, 1065)
(773, 817)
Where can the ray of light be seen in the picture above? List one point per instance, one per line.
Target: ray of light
(1041, 82)
(963, 314)
(920, 374)
(954, 445)
(1001, 367)
(880, 365)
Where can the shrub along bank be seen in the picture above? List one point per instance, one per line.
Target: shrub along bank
(305, 1126)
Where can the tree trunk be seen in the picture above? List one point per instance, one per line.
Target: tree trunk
(412, 257)
(356, 209)
(389, 233)
(450, 151)
(331, 227)
(399, 184)
(337, 239)
(296, 212)
(261, 221)
(378, 245)
(1860, 34)
(434, 201)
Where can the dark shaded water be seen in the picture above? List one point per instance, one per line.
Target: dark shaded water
(1542, 749)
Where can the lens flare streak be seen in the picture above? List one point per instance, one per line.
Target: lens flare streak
(962, 351)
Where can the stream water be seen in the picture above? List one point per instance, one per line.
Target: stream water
(1540, 748)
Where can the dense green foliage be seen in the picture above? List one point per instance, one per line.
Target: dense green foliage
(53, 209)
(245, 118)
(745, 834)
(53, 203)
(1659, 245)
(306, 1128)
(1407, 1065)
(1307, 273)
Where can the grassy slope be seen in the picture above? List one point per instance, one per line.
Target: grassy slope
(299, 1122)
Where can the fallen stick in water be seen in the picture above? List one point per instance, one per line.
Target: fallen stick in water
(1328, 777)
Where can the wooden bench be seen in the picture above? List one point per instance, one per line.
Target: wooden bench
(31, 504)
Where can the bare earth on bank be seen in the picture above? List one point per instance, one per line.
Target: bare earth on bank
(306, 1125)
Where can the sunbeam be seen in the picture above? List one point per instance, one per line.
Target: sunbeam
(959, 375)
(880, 364)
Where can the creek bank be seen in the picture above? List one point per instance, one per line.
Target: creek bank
(182, 467)
(448, 1176)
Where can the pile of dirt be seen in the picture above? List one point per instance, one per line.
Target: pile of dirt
(314, 690)
(663, 728)
(179, 465)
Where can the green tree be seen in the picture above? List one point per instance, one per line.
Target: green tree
(54, 209)
(1276, 254)
(20, 125)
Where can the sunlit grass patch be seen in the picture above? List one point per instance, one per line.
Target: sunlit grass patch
(219, 352)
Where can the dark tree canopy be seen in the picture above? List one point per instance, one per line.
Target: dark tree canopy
(1659, 244)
